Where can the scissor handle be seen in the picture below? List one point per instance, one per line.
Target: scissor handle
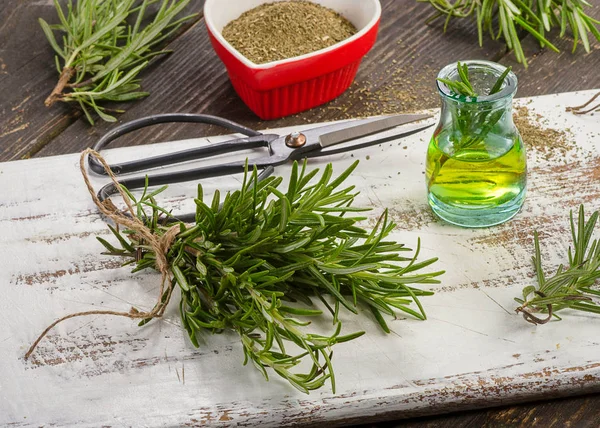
(266, 165)
(256, 139)
(206, 172)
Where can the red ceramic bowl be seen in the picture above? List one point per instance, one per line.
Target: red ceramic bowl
(281, 88)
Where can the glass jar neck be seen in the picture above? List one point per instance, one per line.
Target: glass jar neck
(483, 76)
(452, 107)
(477, 123)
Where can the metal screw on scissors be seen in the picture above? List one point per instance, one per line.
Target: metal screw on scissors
(321, 141)
(295, 139)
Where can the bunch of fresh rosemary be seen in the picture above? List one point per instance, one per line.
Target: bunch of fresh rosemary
(253, 260)
(505, 18)
(570, 287)
(102, 52)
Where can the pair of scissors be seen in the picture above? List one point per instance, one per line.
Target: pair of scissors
(280, 149)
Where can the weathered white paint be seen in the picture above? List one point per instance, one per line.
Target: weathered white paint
(473, 351)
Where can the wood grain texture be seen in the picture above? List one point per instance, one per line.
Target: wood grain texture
(578, 412)
(473, 351)
(27, 73)
(26, 126)
(397, 75)
(27, 76)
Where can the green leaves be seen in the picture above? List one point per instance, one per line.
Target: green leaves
(103, 53)
(506, 18)
(473, 122)
(255, 260)
(570, 287)
(465, 88)
(498, 85)
(50, 36)
(463, 72)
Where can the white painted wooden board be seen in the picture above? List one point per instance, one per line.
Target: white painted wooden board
(473, 351)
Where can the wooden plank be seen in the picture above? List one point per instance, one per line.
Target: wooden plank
(551, 78)
(567, 412)
(473, 351)
(27, 76)
(397, 75)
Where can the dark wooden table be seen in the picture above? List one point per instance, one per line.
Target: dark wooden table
(396, 76)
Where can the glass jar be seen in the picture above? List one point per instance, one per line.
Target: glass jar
(476, 164)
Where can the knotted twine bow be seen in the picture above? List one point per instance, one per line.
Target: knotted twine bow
(128, 219)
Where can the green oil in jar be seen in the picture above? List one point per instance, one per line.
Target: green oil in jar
(478, 186)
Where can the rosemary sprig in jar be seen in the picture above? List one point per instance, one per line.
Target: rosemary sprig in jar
(255, 259)
(101, 54)
(570, 287)
(472, 122)
(474, 126)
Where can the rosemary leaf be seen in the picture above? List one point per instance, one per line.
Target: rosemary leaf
(475, 126)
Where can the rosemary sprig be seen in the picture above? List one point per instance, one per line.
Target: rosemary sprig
(570, 287)
(506, 18)
(462, 86)
(473, 123)
(101, 53)
(465, 88)
(255, 259)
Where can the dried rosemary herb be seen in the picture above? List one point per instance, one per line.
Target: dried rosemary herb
(281, 30)
(550, 143)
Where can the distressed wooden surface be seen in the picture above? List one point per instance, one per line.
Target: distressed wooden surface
(473, 351)
(396, 76)
(403, 62)
(27, 76)
(579, 412)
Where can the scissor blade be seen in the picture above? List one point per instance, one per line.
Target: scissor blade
(373, 127)
(370, 142)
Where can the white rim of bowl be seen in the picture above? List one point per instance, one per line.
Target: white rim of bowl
(217, 34)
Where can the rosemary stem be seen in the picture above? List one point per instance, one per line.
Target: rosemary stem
(57, 93)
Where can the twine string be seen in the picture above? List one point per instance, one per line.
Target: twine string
(126, 218)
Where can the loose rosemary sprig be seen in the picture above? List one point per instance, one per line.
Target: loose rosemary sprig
(103, 52)
(505, 18)
(254, 261)
(570, 287)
